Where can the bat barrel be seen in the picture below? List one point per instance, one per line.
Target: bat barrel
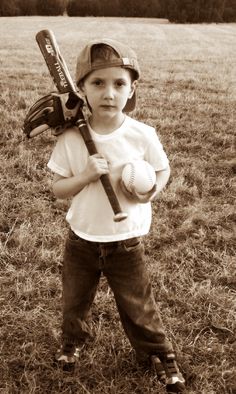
(55, 62)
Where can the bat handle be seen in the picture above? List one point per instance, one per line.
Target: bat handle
(106, 183)
(120, 216)
(105, 179)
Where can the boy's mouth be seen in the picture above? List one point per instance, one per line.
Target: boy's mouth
(107, 106)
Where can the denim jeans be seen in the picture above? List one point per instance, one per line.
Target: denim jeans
(122, 263)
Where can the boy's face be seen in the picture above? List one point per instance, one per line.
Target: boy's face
(107, 91)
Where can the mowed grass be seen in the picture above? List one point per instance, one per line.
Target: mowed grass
(188, 92)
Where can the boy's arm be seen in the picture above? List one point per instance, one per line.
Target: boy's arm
(162, 178)
(68, 187)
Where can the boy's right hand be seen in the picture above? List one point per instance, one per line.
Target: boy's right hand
(69, 187)
(96, 166)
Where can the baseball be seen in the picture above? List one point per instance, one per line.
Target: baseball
(140, 175)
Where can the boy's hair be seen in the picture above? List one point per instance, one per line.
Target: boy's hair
(104, 53)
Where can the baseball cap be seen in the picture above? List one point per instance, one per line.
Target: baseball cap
(126, 58)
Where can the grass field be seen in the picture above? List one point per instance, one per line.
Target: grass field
(188, 92)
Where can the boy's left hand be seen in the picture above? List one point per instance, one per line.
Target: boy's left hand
(137, 197)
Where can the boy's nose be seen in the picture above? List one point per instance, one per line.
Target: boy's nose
(109, 92)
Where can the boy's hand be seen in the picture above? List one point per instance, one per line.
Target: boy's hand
(136, 197)
(96, 166)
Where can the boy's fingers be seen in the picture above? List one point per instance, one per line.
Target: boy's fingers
(124, 189)
(100, 158)
(97, 155)
(143, 198)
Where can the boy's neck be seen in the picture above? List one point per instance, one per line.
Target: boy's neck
(106, 126)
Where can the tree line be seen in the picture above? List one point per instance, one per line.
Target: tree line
(180, 11)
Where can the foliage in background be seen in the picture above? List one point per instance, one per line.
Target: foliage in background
(82, 8)
(9, 8)
(51, 7)
(199, 10)
(150, 8)
(229, 14)
(193, 11)
(28, 7)
(140, 8)
(32, 7)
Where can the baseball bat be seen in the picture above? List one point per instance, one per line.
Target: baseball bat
(64, 83)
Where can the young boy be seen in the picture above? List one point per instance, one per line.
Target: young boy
(106, 75)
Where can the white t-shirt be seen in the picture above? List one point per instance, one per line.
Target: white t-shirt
(90, 214)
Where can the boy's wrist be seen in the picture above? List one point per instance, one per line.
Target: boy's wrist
(155, 193)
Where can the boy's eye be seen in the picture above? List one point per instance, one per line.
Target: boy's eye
(120, 83)
(97, 82)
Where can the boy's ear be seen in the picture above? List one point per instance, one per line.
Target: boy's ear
(81, 87)
(133, 87)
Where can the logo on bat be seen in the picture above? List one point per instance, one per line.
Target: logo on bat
(49, 48)
(63, 81)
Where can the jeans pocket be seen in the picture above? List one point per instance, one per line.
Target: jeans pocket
(132, 244)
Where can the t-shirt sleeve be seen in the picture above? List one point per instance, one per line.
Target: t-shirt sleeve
(59, 161)
(155, 153)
